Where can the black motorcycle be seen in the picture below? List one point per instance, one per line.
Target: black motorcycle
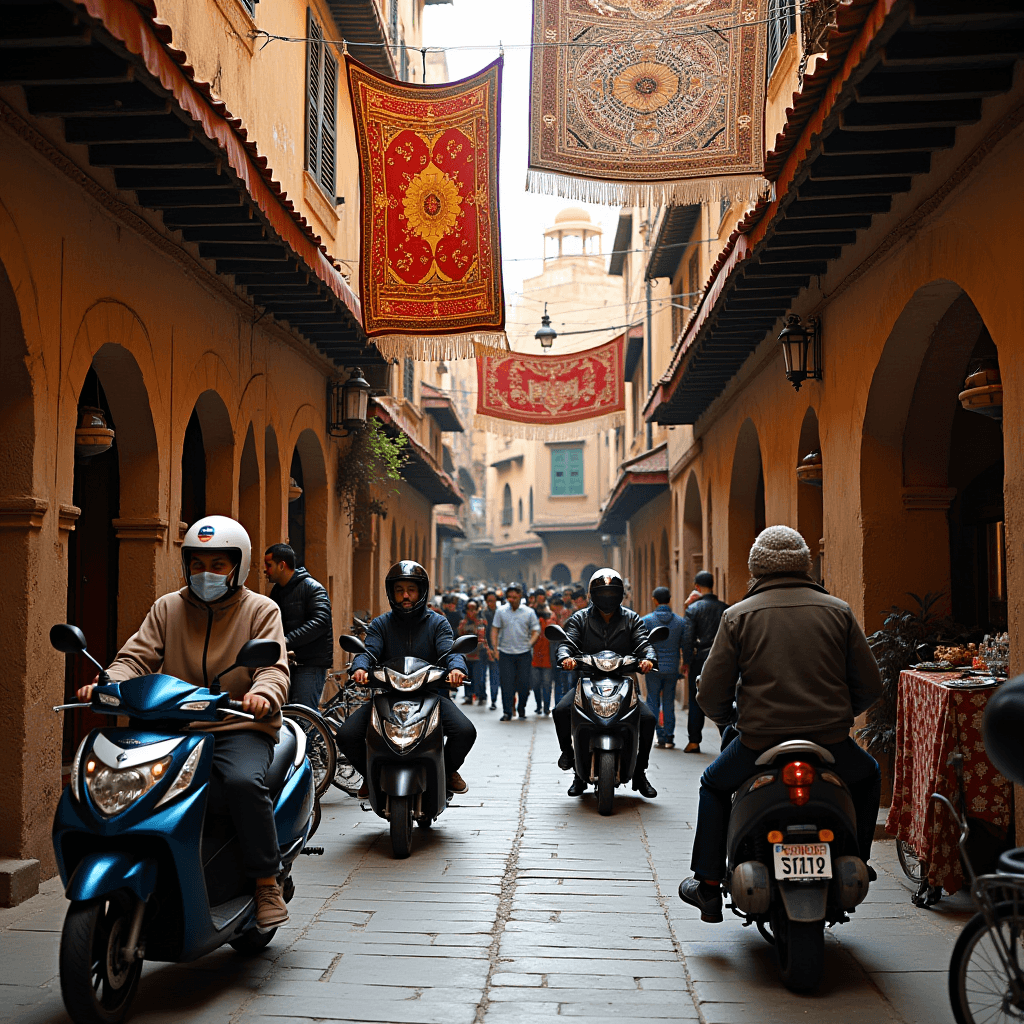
(605, 717)
(793, 859)
(405, 745)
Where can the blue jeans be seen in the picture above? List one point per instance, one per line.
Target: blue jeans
(476, 685)
(661, 696)
(542, 687)
(854, 765)
(494, 677)
(563, 682)
(515, 680)
(307, 685)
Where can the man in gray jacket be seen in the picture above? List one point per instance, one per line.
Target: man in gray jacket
(805, 671)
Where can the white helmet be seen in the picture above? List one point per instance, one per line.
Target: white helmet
(218, 533)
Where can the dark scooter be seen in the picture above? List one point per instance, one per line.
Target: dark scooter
(404, 744)
(148, 874)
(605, 718)
(793, 859)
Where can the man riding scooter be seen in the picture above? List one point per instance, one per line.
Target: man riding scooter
(409, 630)
(194, 634)
(605, 625)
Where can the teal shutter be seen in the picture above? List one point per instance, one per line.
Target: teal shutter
(559, 476)
(574, 461)
(567, 471)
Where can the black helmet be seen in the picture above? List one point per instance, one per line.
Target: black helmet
(606, 590)
(411, 572)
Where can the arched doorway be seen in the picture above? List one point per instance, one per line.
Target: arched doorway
(746, 509)
(693, 533)
(810, 510)
(249, 504)
(273, 524)
(561, 575)
(931, 472)
(664, 574)
(588, 570)
(207, 461)
(307, 516)
(506, 506)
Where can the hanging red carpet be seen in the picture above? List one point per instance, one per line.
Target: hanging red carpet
(637, 102)
(430, 265)
(547, 397)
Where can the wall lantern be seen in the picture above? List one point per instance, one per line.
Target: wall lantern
(546, 334)
(92, 435)
(983, 391)
(808, 470)
(801, 349)
(294, 490)
(347, 403)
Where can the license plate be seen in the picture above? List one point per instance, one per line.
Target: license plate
(811, 860)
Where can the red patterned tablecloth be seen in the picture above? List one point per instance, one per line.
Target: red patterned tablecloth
(932, 722)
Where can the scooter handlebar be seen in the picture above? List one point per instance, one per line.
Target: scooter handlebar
(234, 707)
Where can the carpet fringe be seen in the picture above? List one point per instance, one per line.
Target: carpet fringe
(430, 347)
(549, 431)
(743, 188)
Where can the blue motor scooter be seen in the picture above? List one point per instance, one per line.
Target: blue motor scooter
(149, 874)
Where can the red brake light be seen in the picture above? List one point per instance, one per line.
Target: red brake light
(798, 773)
(799, 795)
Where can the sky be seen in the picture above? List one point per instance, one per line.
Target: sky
(481, 26)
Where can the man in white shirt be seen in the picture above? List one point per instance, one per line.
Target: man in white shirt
(514, 632)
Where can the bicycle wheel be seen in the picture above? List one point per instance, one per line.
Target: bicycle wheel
(912, 867)
(986, 971)
(319, 744)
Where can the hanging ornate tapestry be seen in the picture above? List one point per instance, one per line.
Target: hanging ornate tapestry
(547, 397)
(430, 265)
(637, 102)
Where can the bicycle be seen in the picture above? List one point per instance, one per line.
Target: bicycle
(348, 698)
(986, 970)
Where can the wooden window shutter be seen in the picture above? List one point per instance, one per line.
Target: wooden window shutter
(574, 464)
(559, 476)
(314, 77)
(329, 124)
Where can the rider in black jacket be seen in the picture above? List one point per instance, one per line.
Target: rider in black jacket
(606, 626)
(700, 624)
(411, 630)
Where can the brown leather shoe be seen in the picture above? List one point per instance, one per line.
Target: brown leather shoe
(271, 910)
(691, 748)
(457, 784)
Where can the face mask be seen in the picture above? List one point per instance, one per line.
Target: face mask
(607, 602)
(208, 586)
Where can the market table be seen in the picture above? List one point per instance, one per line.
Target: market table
(934, 721)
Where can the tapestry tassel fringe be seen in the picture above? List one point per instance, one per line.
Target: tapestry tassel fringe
(431, 347)
(745, 188)
(549, 432)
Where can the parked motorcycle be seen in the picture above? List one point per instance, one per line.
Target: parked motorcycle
(605, 718)
(148, 874)
(793, 859)
(404, 744)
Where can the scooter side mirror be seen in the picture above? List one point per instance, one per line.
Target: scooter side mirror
(352, 645)
(556, 633)
(67, 639)
(464, 644)
(657, 634)
(258, 654)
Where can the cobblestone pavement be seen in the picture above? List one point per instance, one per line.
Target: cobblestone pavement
(519, 906)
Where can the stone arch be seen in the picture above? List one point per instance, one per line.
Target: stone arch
(746, 508)
(249, 504)
(309, 457)
(810, 506)
(560, 574)
(693, 533)
(926, 463)
(664, 562)
(208, 460)
(588, 570)
(274, 492)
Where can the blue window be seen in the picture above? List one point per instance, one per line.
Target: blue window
(566, 471)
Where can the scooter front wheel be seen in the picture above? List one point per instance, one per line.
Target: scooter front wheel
(97, 984)
(605, 781)
(401, 826)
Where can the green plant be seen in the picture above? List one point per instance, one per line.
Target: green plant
(372, 461)
(895, 647)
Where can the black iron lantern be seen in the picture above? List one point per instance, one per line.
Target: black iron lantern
(801, 349)
(349, 402)
(546, 334)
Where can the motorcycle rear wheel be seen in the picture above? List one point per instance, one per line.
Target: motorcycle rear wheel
(98, 988)
(800, 946)
(401, 826)
(605, 782)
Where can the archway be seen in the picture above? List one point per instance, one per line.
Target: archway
(664, 574)
(588, 570)
(273, 523)
(693, 533)
(932, 473)
(308, 515)
(249, 504)
(746, 509)
(561, 575)
(506, 506)
(810, 511)
(207, 460)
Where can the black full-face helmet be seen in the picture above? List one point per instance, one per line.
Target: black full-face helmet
(606, 590)
(410, 572)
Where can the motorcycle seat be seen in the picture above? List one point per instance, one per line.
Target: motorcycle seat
(284, 757)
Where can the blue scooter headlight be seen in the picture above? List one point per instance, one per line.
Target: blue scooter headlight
(115, 789)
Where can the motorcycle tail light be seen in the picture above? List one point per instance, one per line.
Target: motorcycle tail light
(798, 773)
(799, 795)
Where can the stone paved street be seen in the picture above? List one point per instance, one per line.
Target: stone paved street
(520, 906)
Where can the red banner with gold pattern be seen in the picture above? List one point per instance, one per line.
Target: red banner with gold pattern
(430, 265)
(550, 397)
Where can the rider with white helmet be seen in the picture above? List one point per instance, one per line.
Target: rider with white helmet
(195, 633)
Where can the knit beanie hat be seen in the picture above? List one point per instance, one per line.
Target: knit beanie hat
(779, 549)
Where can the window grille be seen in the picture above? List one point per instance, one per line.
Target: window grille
(781, 25)
(566, 471)
(321, 107)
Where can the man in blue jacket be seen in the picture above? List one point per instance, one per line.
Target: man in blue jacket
(661, 685)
